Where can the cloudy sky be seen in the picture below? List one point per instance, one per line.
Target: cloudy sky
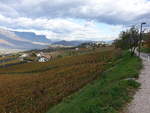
(73, 19)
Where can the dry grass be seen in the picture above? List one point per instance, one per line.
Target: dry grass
(39, 86)
(10, 62)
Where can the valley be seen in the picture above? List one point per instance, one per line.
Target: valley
(74, 56)
(8, 51)
(36, 86)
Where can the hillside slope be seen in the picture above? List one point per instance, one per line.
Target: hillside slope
(22, 40)
(108, 94)
(34, 87)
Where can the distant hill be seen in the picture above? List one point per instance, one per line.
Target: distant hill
(110, 41)
(69, 43)
(33, 37)
(29, 40)
(22, 40)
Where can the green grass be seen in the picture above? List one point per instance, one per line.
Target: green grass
(108, 93)
(145, 50)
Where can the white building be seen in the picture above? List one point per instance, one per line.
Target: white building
(40, 54)
(76, 49)
(24, 55)
(43, 59)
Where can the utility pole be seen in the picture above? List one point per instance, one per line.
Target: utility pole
(140, 38)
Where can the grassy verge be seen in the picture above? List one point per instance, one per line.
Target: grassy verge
(35, 87)
(145, 50)
(108, 93)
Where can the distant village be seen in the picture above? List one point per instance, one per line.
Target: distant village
(40, 57)
(48, 54)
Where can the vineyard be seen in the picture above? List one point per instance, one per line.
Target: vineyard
(35, 87)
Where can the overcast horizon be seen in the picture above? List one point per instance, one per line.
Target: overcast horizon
(73, 19)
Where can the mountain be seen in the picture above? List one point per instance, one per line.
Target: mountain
(69, 43)
(22, 40)
(33, 37)
(109, 42)
(29, 40)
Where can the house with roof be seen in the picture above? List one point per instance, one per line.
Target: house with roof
(43, 59)
(23, 56)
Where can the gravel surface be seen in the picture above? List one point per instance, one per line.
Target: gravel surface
(141, 101)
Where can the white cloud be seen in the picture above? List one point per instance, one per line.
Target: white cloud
(8, 10)
(108, 11)
(56, 18)
(64, 29)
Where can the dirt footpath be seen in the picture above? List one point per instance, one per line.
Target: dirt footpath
(141, 101)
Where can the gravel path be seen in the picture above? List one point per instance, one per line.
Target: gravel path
(141, 101)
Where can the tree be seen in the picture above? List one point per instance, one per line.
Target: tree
(128, 39)
(134, 39)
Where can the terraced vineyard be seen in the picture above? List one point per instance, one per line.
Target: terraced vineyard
(35, 87)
